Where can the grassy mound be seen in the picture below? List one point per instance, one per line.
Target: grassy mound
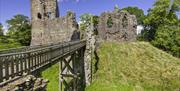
(135, 66)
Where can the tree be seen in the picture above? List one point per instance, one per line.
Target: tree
(20, 29)
(158, 16)
(167, 38)
(1, 29)
(85, 20)
(139, 13)
(162, 26)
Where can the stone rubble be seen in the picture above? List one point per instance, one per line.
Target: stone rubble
(27, 83)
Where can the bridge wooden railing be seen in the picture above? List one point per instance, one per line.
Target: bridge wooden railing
(25, 48)
(26, 61)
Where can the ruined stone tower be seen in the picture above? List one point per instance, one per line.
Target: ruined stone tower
(44, 9)
(47, 26)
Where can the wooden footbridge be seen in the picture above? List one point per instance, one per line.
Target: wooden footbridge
(15, 63)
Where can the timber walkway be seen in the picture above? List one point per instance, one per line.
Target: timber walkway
(16, 62)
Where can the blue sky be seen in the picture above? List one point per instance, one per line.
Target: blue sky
(9, 8)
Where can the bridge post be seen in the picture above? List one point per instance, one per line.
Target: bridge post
(60, 76)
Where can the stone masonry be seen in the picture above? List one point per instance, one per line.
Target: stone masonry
(26, 83)
(117, 26)
(90, 48)
(47, 26)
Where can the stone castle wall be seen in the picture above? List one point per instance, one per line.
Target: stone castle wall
(44, 9)
(47, 26)
(122, 26)
(53, 30)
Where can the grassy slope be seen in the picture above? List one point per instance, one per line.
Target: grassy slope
(135, 67)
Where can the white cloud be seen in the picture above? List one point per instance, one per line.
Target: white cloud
(5, 29)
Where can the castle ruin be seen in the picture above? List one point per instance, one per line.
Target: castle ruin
(47, 26)
(117, 26)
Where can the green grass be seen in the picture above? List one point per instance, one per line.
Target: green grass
(129, 67)
(52, 74)
(9, 45)
(136, 66)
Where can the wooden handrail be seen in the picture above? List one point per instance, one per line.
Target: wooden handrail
(16, 63)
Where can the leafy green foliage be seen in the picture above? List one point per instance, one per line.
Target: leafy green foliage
(6, 43)
(158, 16)
(168, 39)
(85, 21)
(1, 29)
(20, 29)
(109, 22)
(135, 66)
(139, 13)
(162, 26)
(9, 45)
(95, 22)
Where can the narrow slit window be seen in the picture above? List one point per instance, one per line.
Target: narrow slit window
(39, 16)
(125, 22)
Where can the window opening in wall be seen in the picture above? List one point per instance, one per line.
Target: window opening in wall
(39, 16)
(109, 22)
(49, 14)
(44, 7)
(125, 22)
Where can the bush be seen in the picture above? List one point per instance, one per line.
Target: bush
(167, 38)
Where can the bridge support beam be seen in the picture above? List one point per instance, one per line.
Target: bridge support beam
(72, 72)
